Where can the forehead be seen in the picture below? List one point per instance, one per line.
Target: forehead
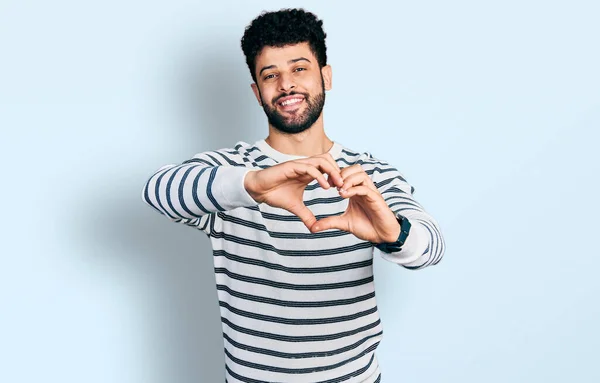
(279, 56)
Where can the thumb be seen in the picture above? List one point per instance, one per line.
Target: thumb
(333, 222)
(304, 213)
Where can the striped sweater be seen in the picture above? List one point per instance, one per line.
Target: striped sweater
(295, 306)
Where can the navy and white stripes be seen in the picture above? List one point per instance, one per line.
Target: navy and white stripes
(295, 306)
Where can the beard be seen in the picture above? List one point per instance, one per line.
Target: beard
(296, 123)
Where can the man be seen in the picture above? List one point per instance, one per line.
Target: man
(294, 221)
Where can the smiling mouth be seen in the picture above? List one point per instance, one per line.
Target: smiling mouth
(291, 104)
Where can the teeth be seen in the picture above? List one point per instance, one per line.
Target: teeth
(292, 101)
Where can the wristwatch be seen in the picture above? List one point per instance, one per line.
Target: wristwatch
(390, 247)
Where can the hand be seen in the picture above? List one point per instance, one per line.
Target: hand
(283, 185)
(368, 216)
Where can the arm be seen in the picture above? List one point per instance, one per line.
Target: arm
(192, 191)
(425, 244)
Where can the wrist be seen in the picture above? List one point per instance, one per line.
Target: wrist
(396, 244)
(249, 184)
(394, 236)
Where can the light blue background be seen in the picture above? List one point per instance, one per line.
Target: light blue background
(490, 109)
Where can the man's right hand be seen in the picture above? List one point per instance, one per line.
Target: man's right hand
(283, 185)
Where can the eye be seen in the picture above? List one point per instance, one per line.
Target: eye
(269, 76)
(297, 69)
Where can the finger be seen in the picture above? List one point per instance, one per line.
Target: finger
(330, 167)
(304, 213)
(334, 178)
(307, 169)
(331, 160)
(331, 181)
(347, 171)
(361, 190)
(359, 178)
(333, 222)
(338, 180)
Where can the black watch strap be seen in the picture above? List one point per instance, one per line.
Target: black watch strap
(390, 247)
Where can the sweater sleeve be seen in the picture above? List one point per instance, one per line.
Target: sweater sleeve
(425, 244)
(193, 191)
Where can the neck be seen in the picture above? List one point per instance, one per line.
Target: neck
(311, 142)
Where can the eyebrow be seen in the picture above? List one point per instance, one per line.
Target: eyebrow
(289, 62)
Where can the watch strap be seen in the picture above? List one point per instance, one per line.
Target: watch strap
(390, 247)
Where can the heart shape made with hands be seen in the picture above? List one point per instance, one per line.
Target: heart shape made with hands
(367, 216)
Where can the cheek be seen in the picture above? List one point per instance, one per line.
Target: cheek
(268, 95)
(315, 86)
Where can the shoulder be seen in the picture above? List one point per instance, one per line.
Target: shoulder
(366, 159)
(240, 154)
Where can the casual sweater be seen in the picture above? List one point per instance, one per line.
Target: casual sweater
(295, 306)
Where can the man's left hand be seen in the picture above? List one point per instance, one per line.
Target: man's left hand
(368, 216)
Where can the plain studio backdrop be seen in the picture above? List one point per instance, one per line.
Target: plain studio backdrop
(490, 109)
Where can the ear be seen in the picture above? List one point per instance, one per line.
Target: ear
(256, 92)
(326, 73)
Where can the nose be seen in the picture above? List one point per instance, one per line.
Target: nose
(286, 82)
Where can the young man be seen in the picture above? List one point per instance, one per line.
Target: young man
(294, 221)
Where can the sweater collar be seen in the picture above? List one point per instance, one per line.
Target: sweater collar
(278, 156)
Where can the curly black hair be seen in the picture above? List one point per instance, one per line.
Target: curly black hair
(284, 27)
